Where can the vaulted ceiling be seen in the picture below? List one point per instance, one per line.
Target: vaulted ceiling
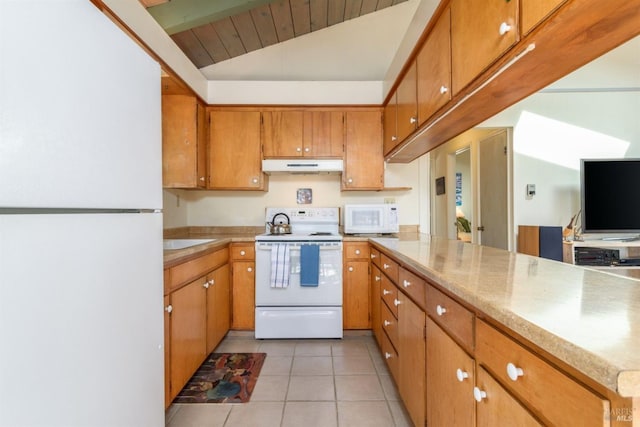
(211, 32)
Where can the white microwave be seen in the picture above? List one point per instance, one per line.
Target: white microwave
(371, 219)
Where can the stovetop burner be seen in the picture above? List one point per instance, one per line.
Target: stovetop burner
(321, 233)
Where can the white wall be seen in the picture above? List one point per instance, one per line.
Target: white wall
(552, 132)
(229, 208)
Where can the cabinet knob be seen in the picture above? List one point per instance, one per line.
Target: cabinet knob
(168, 308)
(249, 269)
(255, 180)
(461, 375)
(386, 323)
(504, 28)
(387, 355)
(202, 178)
(357, 251)
(350, 180)
(396, 302)
(377, 278)
(385, 292)
(479, 394)
(212, 282)
(306, 150)
(394, 138)
(205, 285)
(385, 266)
(242, 253)
(412, 120)
(350, 268)
(373, 256)
(514, 372)
(298, 149)
(444, 89)
(406, 283)
(440, 310)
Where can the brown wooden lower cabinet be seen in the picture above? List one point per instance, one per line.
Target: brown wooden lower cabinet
(450, 381)
(411, 355)
(218, 306)
(244, 279)
(356, 298)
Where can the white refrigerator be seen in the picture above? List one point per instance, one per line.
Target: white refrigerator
(81, 301)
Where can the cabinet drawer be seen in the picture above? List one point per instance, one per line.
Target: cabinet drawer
(183, 273)
(375, 257)
(451, 316)
(389, 294)
(389, 267)
(413, 286)
(389, 324)
(356, 250)
(240, 252)
(539, 385)
(390, 355)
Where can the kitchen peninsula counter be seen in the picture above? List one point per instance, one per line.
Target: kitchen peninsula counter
(588, 319)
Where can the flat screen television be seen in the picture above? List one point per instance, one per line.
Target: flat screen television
(610, 193)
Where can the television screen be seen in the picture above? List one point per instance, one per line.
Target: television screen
(610, 190)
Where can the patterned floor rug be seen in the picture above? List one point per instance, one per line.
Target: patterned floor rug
(223, 378)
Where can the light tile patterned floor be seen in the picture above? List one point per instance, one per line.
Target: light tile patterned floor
(324, 383)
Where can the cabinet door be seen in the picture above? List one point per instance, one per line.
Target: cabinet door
(434, 69)
(390, 139)
(323, 134)
(407, 104)
(478, 36)
(218, 306)
(183, 142)
(356, 295)
(167, 352)
(282, 133)
(411, 356)
(243, 311)
(450, 380)
(376, 320)
(498, 407)
(534, 11)
(235, 157)
(188, 332)
(364, 164)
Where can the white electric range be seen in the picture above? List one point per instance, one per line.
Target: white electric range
(286, 305)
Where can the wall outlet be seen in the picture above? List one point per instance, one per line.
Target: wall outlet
(389, 200)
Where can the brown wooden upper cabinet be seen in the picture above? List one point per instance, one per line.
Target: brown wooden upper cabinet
(363, 161)
(235, 156)
(481, 31)
(407, 101)
(184, 137)
(434, 69)
(312, 134)
(535, 11)
(390, 125)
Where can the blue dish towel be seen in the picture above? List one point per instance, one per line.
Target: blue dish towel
(309, 265)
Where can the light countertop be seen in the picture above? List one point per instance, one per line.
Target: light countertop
(586, 318)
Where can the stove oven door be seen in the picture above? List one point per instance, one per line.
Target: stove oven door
(327, 293)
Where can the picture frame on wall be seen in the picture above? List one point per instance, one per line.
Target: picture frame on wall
(440, 186)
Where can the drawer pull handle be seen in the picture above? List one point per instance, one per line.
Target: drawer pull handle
(479, 394)
(440, 310)
(385, 266)
(378, 278)
(386, 323)
(406, 283)
(387, 355)
(504, 28)
(461, 375)
(514, 372)
(242, 253)
(396, 302)
(385, 292)
(357, 251)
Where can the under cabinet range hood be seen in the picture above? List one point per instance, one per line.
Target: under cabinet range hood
(302, 166)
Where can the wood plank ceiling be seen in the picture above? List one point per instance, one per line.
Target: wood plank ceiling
(264, 25)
